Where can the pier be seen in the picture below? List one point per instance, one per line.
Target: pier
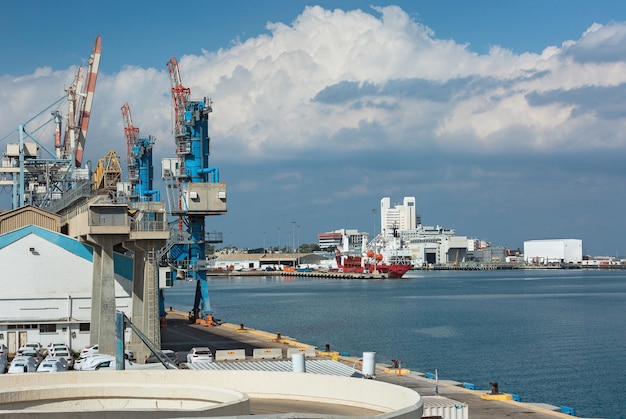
(181, 335)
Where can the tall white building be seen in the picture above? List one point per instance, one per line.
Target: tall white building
(401, 217)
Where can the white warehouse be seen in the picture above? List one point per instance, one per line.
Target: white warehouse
(553, 251)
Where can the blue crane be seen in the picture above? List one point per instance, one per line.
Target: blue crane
(194, 190)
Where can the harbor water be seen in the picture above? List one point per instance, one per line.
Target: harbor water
(549, 336)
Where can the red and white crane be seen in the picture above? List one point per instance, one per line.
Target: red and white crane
(80, 104)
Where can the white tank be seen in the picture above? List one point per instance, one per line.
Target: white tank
(298, 363)
(369, 365)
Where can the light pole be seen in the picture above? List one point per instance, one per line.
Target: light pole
(374, 217)
(298, 250)
(278, 248)
(264, 246)
(293, 236)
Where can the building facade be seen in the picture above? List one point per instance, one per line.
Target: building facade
(401, 216)
(47, 285)
(552, 251)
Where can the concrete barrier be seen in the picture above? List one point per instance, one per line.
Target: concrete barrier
(177, 393)
(230, 355)
(267, 353)
(308, 352)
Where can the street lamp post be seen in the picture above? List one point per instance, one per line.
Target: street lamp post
(278, 247)
(293, 236)
(298, 249)
(374, 217)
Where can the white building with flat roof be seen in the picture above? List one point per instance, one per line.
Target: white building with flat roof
(401, 216)
(553, 251)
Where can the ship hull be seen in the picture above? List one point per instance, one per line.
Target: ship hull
(357, 265)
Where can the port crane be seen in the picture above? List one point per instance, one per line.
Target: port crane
(139, 161)
(42, 181)
(194, 191)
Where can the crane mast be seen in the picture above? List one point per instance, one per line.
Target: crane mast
(194, 190)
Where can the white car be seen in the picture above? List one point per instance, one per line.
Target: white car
(69, 358)
(32, 354)
(99, 361)
(53, 347)
(35, 346)
(52, 364)
(21, 364)
(94, 350)
(201, 354)
(89, 351)
(3, 350)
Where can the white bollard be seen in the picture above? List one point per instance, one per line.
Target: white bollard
(369, 365)
(297, 361)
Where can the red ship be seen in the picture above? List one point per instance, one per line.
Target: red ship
(370, 264)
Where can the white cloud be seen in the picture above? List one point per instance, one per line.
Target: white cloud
(363, 103)
(265, 88)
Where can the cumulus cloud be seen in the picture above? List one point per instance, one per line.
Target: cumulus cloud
(350, 91)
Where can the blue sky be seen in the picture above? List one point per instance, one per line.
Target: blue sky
(506, 120)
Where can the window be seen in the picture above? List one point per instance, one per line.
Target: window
(47, 328)
(84, 327)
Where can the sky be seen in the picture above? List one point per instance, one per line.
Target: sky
(506, 120)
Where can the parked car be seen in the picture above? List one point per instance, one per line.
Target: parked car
(200, 354)
(94, 350)
(36, 346)
(89, 351)
(4, 363)
(69, 358)
(33, 354)
(52, 364)
(3, 350)
(21, 364)
(53, 347)
(99, 361)
(170, 354)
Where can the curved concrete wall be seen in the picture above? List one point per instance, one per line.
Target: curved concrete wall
(193, 393)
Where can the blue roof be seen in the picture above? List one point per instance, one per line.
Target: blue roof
(72, 245)
(123, 265)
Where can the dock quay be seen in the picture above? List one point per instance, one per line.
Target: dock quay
(180, 335)
(310, 274)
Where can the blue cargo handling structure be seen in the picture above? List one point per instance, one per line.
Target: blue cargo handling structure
(193, 191)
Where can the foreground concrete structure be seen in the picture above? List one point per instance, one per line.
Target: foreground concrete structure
(187, 393)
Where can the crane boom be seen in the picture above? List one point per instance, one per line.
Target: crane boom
(131, 132)
(180, 96)
(84, 113)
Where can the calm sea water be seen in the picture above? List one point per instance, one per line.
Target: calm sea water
(556, 336)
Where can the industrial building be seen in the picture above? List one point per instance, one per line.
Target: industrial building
(47, 286)
(553, 251)
(354, 239)
(434, 245)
